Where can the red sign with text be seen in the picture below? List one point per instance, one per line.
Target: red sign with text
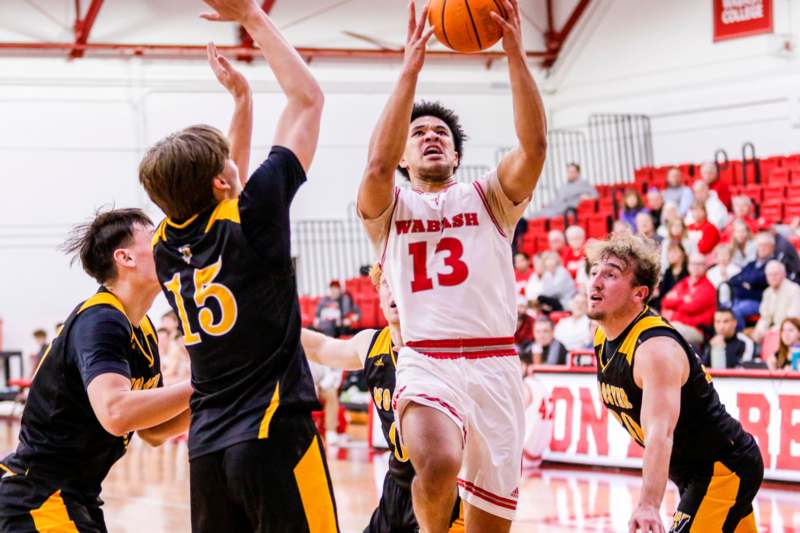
(741, 18)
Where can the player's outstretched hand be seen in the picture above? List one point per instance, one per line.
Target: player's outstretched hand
(227, 10)
(512, 27)
(417, 38)
(645, 519)
(230, 78)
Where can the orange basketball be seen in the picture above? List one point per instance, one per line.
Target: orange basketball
(465, 25)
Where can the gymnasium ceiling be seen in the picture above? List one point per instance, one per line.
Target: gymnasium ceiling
(319, 28)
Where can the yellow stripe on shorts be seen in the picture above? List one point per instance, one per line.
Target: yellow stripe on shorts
(52, 516)
(720, 497)
(312, 483)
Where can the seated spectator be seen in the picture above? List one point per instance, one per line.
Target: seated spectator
(169, 321)
(574, 331)
(523, 336)
(676, 234)
(569, 195)
(646, 230)
(677, 192)
(703, 235)
(724, 268)
(786, 253)
(709, 173)
(522, 270)
(573, 256)
(632, 205)
(677, 269)
(669, 214)
(716, 212)
(40, 338)
(534, 285)
(690, 305)
(789, 337)
(175, 363)
(556, 242)
(336, 311)
(743, 244)
(655, 205)
(546, 349)
(621, 227)
(558, 287)
(328, 380)
(727, 348)
(748, 286)
(742, 210)
(780, 300)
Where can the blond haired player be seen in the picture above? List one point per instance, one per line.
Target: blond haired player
(375, 351)
(445, 248)
(653, 383)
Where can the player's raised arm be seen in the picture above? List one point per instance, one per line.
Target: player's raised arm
(240, 132)
(660, 369)
(346, 354)
(391, 133)
(298, 125)
(519, 170)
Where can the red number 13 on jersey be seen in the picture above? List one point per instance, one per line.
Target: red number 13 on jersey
(458, 268)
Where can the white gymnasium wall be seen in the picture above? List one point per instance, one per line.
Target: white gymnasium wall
(73, 133)
(659, 58)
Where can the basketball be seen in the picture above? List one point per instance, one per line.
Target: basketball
(466, 25)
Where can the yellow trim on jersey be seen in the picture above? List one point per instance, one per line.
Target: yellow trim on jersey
(720, 497)
(263, 429)
(160, 234)
(629, 344)
(382, 344)
(52, 516)
(312, 483)
(183, 224)
(107, 298)
(104, 298)
(7, 470)
(225, 210)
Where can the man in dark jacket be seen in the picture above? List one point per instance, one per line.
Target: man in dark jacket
(748, 285)
(727, 349)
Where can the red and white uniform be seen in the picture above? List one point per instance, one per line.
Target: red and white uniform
(447, 257)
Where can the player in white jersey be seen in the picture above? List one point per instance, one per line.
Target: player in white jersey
(446, 250)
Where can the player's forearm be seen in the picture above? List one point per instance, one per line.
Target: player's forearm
(655, 470)
(291, 72)
(132, 410)
(241, 134)
(530, 120)
(157, 435)
(334, 353)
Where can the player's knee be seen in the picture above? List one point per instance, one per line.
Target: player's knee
(438, 469)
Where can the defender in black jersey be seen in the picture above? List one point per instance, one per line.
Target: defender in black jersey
(223, 258)
(99, 380)
(375, 351)
(652, 381)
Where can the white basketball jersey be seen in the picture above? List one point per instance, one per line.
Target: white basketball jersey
(448, 262)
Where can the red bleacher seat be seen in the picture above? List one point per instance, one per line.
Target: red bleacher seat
(597, 227)
(794, 174)
(556, 223)
(791, 160)
(537, 225)
(644, 174)
(308, 307)
(774, 192)
(791, 210)
(772, 211)
(586, 208)
(528, 244)
(754, 192)
(556, 316)
(604, 191)
(605, 206)
(542, 243)
(778, 177)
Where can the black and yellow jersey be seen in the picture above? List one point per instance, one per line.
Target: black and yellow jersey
(704, 428)
(60, 438)
(380, 367)
(228, 274)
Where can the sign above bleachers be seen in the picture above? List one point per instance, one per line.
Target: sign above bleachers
(741, 18)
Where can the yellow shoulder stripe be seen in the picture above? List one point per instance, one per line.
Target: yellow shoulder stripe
(599, 336)
(104, 298)
(225, 210)
(629, 345)
(382, 344)
(160, 233)
(183, 224)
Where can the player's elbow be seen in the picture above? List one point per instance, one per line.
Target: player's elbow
(115, 423)
(152, 438)
(311, 98)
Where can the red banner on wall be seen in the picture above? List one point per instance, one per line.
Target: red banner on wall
(741, 18)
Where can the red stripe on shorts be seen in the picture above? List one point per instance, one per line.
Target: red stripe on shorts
(469, 355)
(462, 343)
(488, 496)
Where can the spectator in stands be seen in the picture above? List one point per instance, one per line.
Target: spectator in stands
(677, 192)
(709, 173)
(40, 338)
(169, 321)
(716, 212)
(558, 287)
(786, 253)
(724, 268)
(519, 233)
(742, 210)
(677, 269)
(328, 380)
(175, 365)
(574, 331)
(646, 229)
(780, 300)
(632, 205)
(703, 235)
(655, 205)
(522, 270)
(621, 227)
(573, 256)
(669, 214)
(569, 195)
(748, 285)
(523, 336)
(556, 242)
(727, 348)
(743, 244)
(691, 303)
(336, 311)
(676, 233)
(789, 337)
(546, 349)
(534, 285)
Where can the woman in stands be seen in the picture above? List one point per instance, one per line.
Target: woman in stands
(790, 336)
(633, 204)
(677, 269)
(744, 246)
(676, 234)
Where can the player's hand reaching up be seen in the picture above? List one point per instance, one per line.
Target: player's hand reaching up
(417, 38)
(227, 10)
(645, 519)
(512, 27)
(227, 75)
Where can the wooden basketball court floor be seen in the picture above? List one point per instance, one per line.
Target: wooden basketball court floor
(148, 491)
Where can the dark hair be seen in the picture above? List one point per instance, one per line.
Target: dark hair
(170, 314)
(523, 254)
(576, 165)
(39, 333)
(178, 171)
(639, 201)
(782, 355)
(162, 330)
(449, 117)
(94, 243)
(727, 311)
